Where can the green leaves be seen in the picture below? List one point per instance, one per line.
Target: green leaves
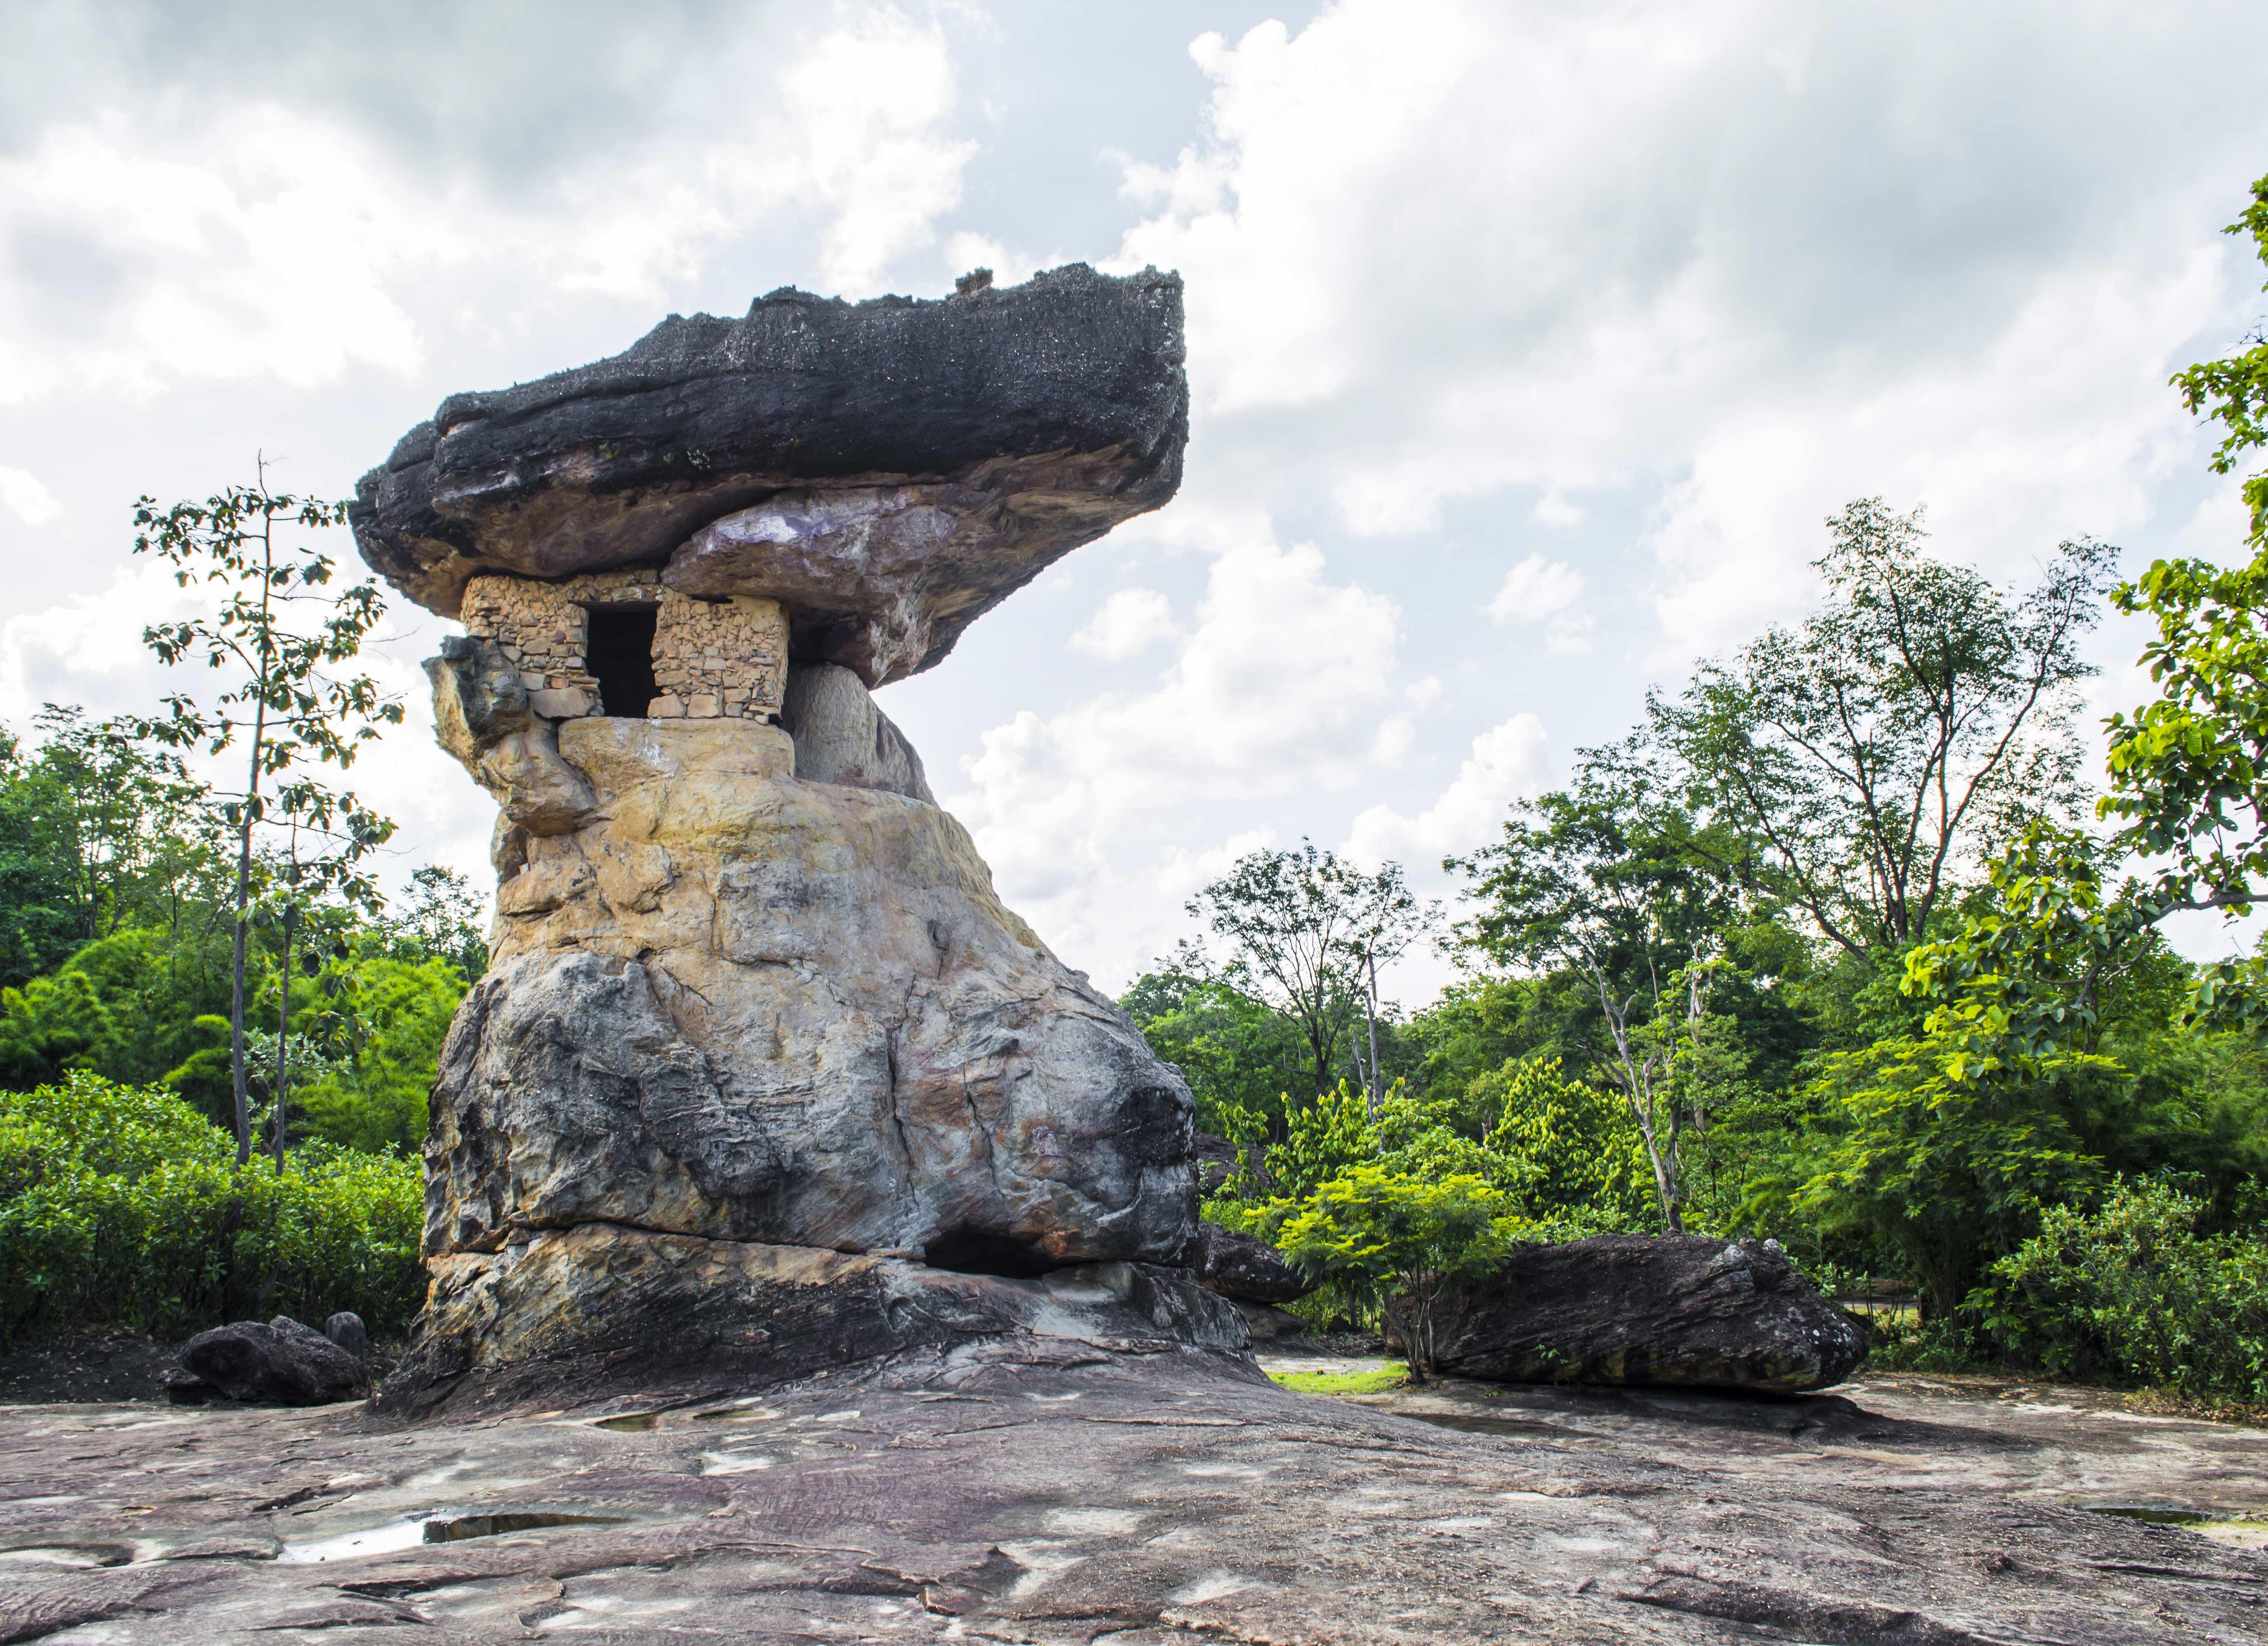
(2233, 392)
(120, 1204)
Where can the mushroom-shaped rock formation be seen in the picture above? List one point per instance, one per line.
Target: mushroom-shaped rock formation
(762, 1077)
(888, 471)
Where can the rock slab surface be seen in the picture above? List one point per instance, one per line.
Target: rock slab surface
(1141, 1503)
(1631, 1309)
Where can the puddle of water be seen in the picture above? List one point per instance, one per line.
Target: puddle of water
(390, 1539)
(633, 1423)
(456, 1530)
(69, 1554)
(413, 1531)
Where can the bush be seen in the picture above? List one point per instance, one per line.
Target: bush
(124, 1206)
(2133, 1292)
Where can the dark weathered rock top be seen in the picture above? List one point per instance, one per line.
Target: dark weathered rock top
(1033, 418)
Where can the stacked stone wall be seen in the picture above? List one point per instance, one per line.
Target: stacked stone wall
(712, 659)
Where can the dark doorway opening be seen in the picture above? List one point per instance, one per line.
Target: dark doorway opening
(970, 1251)
(619, 650)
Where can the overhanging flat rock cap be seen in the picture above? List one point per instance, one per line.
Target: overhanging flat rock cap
(1042, 413)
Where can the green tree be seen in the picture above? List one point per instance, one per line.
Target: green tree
(282, 706)
(1305, 934)
(1413, 1240)
(1873, 749)
(2233, 392)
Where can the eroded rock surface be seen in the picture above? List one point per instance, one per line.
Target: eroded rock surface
(1243, 1266)
(788, 1020)
(891, 470)
(1635, 1308)
(1034, 1498)
(280, 1363)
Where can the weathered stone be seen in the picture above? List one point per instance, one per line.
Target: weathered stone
(563, 703)
(345, 1328)
(842, 736)
(1238, 1264)
(1680, 1309)
(598, 1307)
(1059, 1491)
(280, 1363)
(964, 445)
(738, 1006)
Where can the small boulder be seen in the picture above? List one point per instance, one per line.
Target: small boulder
(280, 1363)
(1633, 1309)
(345, 1328)
(1240, 1266)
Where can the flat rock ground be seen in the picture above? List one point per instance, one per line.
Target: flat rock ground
(1137, 1502)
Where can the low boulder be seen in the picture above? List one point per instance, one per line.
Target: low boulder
(280, 1363)
(1243, 1267)
(345, 1328)
(1633, 1309)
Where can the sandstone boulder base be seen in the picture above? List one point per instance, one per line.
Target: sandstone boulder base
(280, 1363)
(1677, 1310)
(759, 1068)
(889, 470)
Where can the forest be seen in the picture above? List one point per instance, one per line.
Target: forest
(1858, 941)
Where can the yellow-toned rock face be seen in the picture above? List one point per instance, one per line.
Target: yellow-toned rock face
(728, 1003)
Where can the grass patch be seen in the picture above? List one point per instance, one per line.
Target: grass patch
(1390, 1377)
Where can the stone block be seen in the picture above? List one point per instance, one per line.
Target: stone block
(562, 703)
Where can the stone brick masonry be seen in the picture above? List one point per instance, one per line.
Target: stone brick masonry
(712, 659)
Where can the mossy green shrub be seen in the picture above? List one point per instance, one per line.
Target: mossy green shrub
(124, 1206)
(2133, 1292)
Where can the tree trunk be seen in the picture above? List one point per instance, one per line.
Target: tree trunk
(1369, 1017)
(284, 1027)
(236, 998)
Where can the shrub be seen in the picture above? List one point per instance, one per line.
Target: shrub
(121, 1205)
(2132, 1291)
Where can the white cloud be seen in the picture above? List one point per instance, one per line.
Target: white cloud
(145, 248)
(1127, 625)
(1743, 265)
(26, 497)
(1277, 686)
(1540, 592)
(1506, 763)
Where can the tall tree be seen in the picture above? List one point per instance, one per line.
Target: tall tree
(1615, 878)
(1874, 747)
(1304, 932)
(274, 633)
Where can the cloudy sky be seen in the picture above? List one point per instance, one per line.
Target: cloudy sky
(1531, 343)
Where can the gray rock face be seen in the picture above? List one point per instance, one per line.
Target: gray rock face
(596, 1309)
(1631, 1309)
(1059, 1492)
(280, 1363)
(840, 736)
(891, 470)
(345, 1328)
(777, 1017)
(1243, 1266)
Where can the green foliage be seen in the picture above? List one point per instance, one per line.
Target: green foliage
(2134, 1290)
(1410, 1239)
(1572, 1148)
(120, 1205)
(374, 1096)
(1239, 1056)
(2234, 393)
(1869, 749)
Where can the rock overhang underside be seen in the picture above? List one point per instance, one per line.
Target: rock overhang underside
(888, 471)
